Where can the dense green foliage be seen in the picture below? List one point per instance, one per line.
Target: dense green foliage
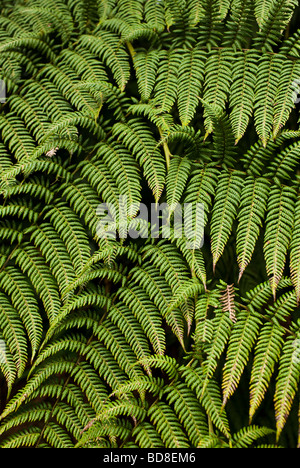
(144, 342)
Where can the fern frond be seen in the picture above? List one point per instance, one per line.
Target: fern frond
(240, 24)
(41, 278)
(262, 8)
(224, 150)
(295, 253)
(279, 226)
(155, 15)
(274, 17)
(106, 46)
(285, 97)
(55, 253)
(193, 256)
(265, 92)
(177, 176)
(165, 90)
(23, 299)
(242, 339)
(146, 63)
(221, 324)
(160, 292)
(147, 436)
(250, 219)
(204, 328)
(137, 138)
(217, 82)
(211, 27)
(72, 233)
(190, 83)
(14, 337)
(284, 163)
(210, 399)
(287, 382)
(125, 171)
(201, 188)
(196, 11)
(185, 291)
(147, 315)
(267, 353)
(166, 257)
(168, 426)
(18, 138)
(246, 437)
(28, 42)
(242, 92)
(189, 411)
(224, 211)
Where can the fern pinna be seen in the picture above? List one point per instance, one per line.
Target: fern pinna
(122, 342)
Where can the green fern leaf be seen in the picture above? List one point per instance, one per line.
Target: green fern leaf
(155, 15)
(165, 90)
(145, 63)
(217, 82)
(211, 399)
(266, 89)
(137, 138)
(160, 292)
(295, 253)
(224, 211)
(196, 11)
(267, 353)
(240, 345)
(189, 411)
(221, 332)
(287, 382)
(147, 436)
(245, 437)
(274, 17)
(147, 315)
(262, 8)
(14, 337)
(240, 24)
(284, 163)
(72, 233)
(177, 176)
(190, 76)
(106, 46)
(168, 426)
(279, 226)
(285, 97)
(15, 284)
(242, 92)
(250, 219)
(150, 332)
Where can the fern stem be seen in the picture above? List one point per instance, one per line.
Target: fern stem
(131, 49)
(210, 425)
(268, 319)
(166, 148)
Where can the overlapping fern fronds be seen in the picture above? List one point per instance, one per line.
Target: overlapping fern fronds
(142, 341)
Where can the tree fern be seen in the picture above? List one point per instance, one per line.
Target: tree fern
(155, 331)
